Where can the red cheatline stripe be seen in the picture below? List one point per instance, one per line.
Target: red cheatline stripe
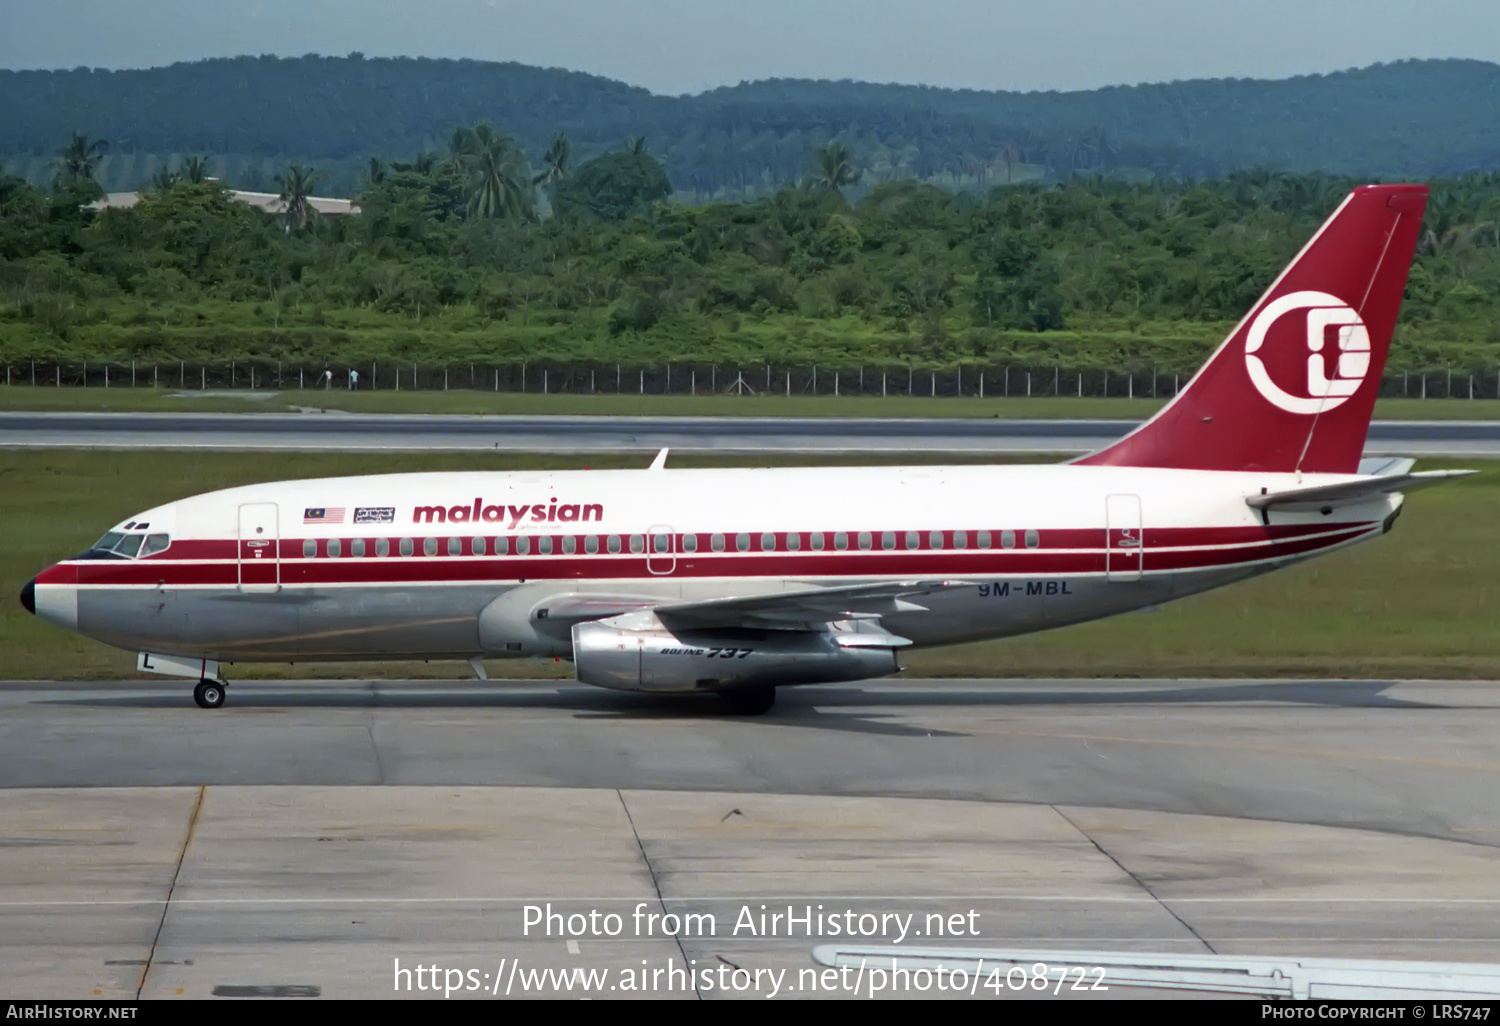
(1050, 539)
(450, 569)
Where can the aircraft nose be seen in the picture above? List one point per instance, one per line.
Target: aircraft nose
(28, 596)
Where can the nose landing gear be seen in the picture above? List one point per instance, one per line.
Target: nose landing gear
(209, 694)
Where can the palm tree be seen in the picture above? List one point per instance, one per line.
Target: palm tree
(555, 163)
(833, 167)
(194, 170)
(296, 185)
(375, 172)
(498, 171)
(164, 179)
(79, 160)
(461, 145)
(636, 144)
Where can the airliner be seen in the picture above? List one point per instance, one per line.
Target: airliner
(739, 581)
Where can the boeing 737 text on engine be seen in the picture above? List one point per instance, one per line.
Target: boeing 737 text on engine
(739, 581)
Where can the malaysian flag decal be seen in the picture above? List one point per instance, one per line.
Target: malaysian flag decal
(323, 515)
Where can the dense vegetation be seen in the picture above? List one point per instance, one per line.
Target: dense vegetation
(253, 115)
(458, 259)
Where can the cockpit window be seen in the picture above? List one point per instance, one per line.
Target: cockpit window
(130, 545)
(109, 541)
(155, 543)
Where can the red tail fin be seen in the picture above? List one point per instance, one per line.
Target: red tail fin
(1293, 387)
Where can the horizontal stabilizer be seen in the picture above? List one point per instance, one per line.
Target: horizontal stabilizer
(1351, 493)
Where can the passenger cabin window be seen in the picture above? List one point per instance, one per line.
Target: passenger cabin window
(637, 543)
(429, 546)
(841, 541)
(591, 544)
(690, 543)
(455, 546)
(913, 540)
(406, 547)
(614, 543)
(717, 543)
(569, 544)
(1007, 539)
(477, 546)
(1032, 539)
(357, 547)
(382, 546)
(768, 542)
(864, 540)
(155, 543)
(935, 540)
(815, 541)
(960, 539)
(309, 548)
(335, 548)
(523, 546)
(793, 542)
(984, 539)
(502, 546)
(888, 540)
(742, 542)
(544, 545)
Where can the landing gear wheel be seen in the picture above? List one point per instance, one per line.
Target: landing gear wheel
(755, 701)
(209, 694)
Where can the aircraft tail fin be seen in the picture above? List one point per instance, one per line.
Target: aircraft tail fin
(1293, 386)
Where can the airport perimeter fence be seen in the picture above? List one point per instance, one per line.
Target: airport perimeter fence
(990, 382)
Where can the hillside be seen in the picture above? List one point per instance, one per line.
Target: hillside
(253, 114)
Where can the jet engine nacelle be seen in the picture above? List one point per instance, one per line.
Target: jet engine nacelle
(636, 652)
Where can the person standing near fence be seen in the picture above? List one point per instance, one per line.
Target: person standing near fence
(353, 380)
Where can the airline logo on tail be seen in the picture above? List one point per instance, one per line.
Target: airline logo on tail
(1336, 340)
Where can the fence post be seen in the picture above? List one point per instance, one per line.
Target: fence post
(981, 384)
(934, 384)
(106, 375)
(835, 384)
(1028, 384)
(132, 373)
(643, 381)
(203, 379)
(693, 382)
(1057, 381)
(1080, 384)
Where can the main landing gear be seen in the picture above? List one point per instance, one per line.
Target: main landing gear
(752, 701)
(209, 694)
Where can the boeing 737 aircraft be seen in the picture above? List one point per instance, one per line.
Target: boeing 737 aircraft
(738, 581)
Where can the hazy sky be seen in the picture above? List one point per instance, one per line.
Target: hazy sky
(675, 46)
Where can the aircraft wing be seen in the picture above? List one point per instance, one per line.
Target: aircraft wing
(805, 609)
(1350, 493)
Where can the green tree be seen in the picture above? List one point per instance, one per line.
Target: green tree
(612, 187)
(497, 170)
(833, 168)
(194, 170)
(79, 161)
(556, 163)
(296, 186)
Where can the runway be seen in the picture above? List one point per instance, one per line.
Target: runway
(308, 833)
(358, 432)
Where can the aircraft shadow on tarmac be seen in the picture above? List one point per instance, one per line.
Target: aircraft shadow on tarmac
(824, 707)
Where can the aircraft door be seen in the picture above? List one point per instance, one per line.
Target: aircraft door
(661, 549)
(259, 548)
(1125, 548)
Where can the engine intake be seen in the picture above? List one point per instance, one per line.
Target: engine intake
(636, 652)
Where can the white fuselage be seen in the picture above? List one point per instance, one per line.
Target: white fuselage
(407, 565)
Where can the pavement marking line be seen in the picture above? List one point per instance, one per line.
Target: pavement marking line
(186, 840)
(1219, 746)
